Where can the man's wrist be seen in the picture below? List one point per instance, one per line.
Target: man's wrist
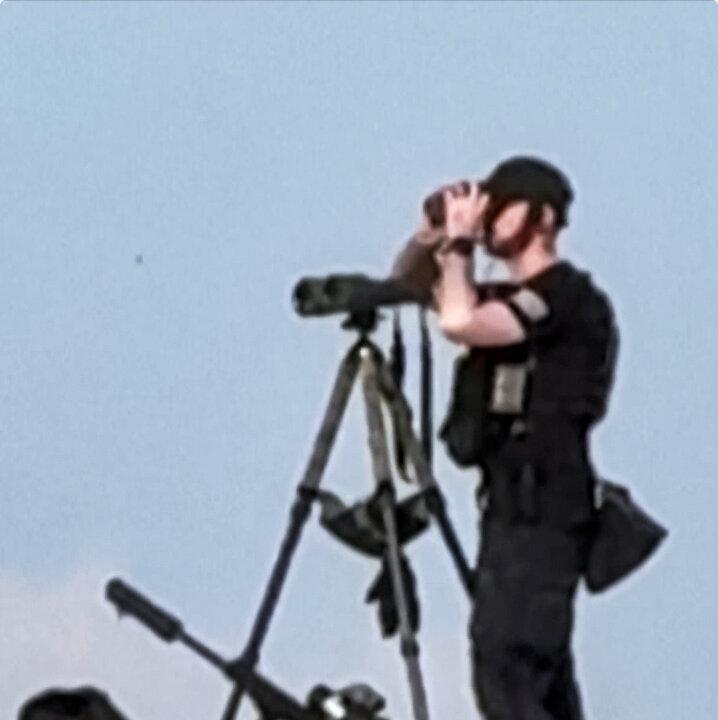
(461, 245)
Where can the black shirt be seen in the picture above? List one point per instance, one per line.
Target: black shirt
(571, 348)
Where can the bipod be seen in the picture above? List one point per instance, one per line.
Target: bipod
(378, 384)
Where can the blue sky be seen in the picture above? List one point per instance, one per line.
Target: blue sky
(156, 416)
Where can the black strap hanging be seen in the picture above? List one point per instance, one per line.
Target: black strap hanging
(397, 366)
(427, 427)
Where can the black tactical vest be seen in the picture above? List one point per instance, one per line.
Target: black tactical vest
(558, 380)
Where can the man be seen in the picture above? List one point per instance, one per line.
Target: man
(541, 350)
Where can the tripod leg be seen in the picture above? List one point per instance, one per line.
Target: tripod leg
(435, 500)
(306, 493)
(387, 503)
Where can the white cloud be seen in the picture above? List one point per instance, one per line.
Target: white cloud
(66, 635)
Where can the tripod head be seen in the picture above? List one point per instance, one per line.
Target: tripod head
(363, 321)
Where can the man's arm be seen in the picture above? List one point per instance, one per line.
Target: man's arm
(462, 318)
(415, 267)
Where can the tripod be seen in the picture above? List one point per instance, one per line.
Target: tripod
(396, 523)
(378, 384)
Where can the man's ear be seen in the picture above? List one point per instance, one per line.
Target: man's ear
(548, 218)
(548, 228)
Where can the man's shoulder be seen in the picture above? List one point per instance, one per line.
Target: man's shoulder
(578, 283)
(590, 307)
(574, 299)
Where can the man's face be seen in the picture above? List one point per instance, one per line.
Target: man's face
(509, 221)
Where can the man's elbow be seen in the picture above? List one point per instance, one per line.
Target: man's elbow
(454, 325)
(465, 328)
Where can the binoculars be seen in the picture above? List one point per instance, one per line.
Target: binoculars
(434, 206)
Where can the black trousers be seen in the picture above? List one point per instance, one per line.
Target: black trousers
(522, 621)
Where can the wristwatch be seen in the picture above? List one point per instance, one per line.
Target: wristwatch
(462, 245)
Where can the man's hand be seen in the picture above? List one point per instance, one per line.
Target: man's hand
(421, 262)
(464, 206)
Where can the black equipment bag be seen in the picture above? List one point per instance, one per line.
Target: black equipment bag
(464, 428)
(360, 526)
(81, 704)
(625, 536)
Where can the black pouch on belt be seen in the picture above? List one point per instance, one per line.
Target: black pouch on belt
(625, 537)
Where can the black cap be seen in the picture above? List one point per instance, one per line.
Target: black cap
(527, 178)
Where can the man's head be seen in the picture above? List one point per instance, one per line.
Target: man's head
(529, 200)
